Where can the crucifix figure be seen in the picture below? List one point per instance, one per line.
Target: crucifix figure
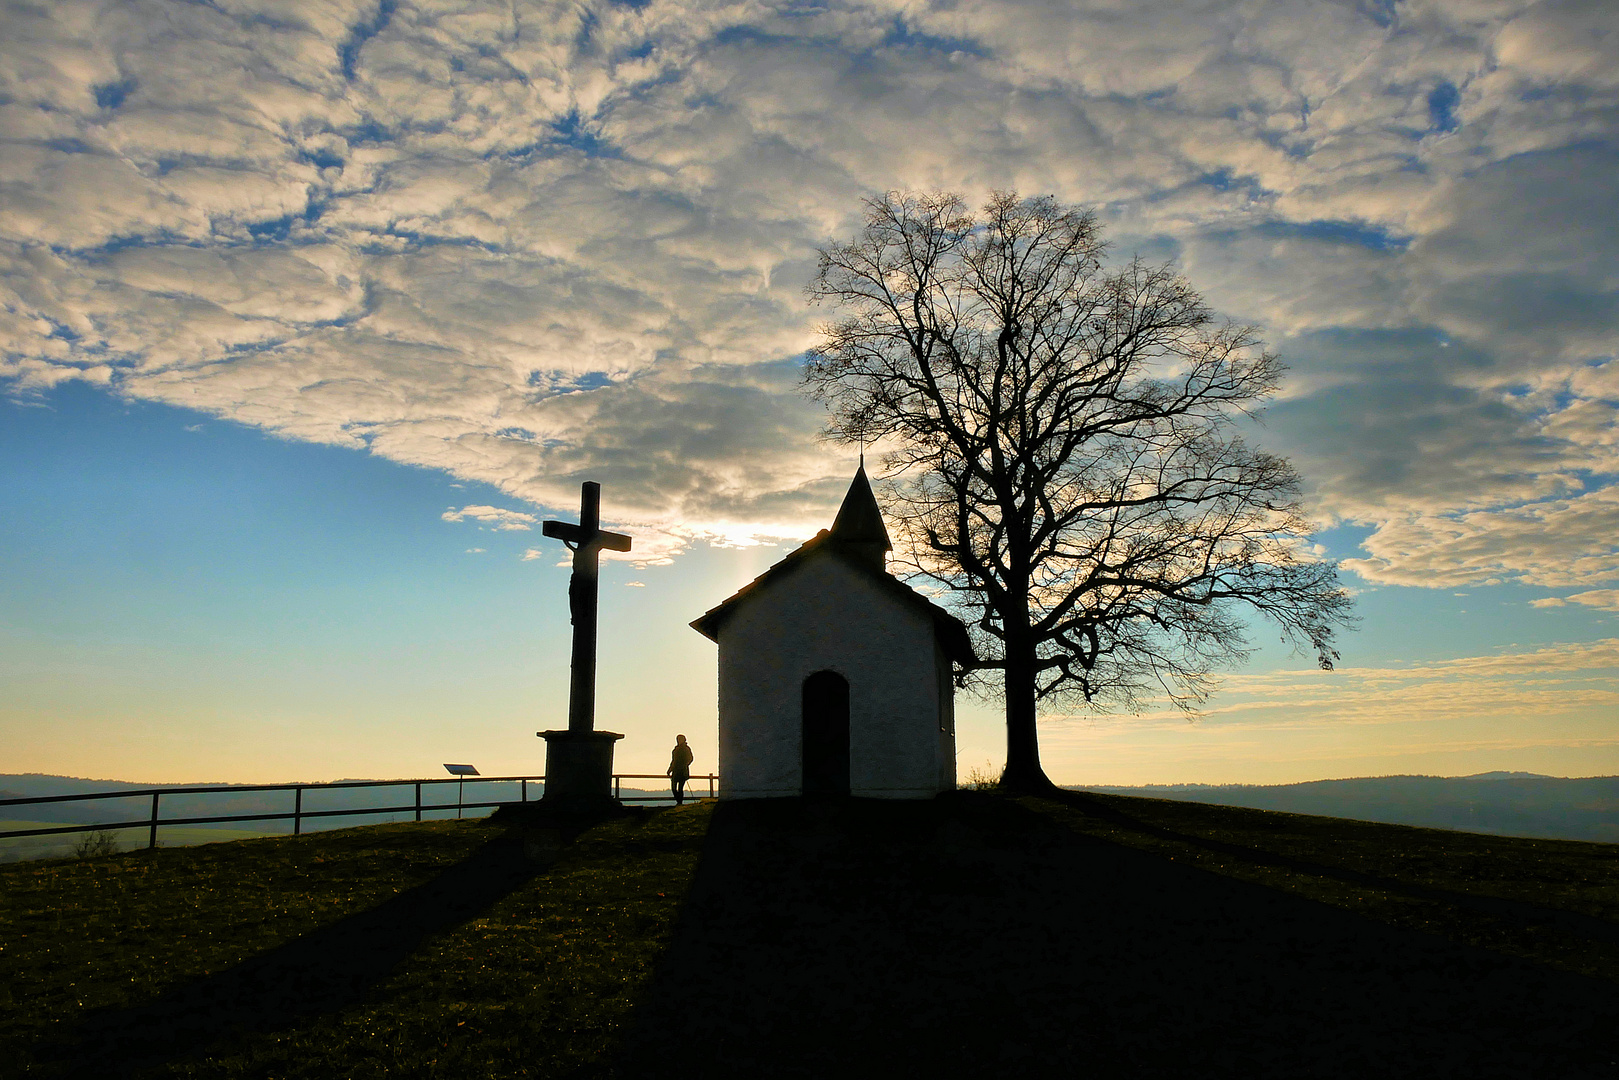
(586, 540)
(579, 761)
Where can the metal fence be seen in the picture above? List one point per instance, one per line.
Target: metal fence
(711, 778)
(298, 814)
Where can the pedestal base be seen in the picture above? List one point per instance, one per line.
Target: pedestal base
(579, 769)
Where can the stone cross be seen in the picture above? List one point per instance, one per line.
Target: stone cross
(586, 540)
(579, 760)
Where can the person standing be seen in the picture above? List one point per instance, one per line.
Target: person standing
(679, 770)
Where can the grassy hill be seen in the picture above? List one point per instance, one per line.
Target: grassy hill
(974, 934)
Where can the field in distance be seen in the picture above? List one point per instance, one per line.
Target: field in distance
(438, 800)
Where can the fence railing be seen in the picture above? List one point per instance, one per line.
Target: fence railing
(298, 814)
(712, 779)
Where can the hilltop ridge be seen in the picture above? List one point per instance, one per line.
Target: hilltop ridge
(1497, 803)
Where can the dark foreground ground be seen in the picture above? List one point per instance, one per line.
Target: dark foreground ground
(875, 939)
(971, 936)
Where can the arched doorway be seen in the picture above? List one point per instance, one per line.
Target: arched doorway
(826, 734)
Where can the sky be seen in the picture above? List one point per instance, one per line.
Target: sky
(311, 312)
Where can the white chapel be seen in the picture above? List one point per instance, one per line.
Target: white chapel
(835, 676)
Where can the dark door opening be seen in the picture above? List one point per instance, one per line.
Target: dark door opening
(826, 734)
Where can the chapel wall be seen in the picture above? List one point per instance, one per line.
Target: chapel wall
(826, 615)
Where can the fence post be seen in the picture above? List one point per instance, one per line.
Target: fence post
(297, 810)
(418, 800)
(151, 841)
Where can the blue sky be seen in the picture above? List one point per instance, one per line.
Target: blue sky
(310, 311)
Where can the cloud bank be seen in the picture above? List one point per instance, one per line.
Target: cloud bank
(1524, 687)
(535, 243)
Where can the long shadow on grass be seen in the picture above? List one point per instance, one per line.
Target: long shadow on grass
(321, 972)
(972, 936)
(1519, 910)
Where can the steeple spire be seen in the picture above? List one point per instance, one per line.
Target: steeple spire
(859, 525)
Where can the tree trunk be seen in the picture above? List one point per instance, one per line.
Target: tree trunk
(1023, 773)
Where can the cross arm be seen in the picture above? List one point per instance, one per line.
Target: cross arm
(562, 530)
(570, 533)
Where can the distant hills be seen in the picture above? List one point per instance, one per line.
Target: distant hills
(1501, 803)
(212, 804)
(435, 799)
(228, 801)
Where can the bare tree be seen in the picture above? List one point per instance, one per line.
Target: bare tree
(1064, 458)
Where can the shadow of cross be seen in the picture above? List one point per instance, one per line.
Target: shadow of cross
(319, 973)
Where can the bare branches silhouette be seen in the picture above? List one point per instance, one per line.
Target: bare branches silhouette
(1063, 456)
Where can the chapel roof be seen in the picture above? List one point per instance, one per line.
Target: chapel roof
(856, 519)
(859, 519)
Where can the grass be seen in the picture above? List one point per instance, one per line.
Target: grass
(1555, 902)
(534, 984)
(987, 926)
(61, 845)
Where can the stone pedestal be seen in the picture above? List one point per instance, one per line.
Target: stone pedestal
(579, 768)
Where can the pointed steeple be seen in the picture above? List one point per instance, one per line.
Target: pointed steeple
(859, 526)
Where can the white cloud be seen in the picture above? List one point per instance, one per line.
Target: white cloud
(492, 515)
(530, 245)
(1554, 542)
(1551, 680)
(1606, 599)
